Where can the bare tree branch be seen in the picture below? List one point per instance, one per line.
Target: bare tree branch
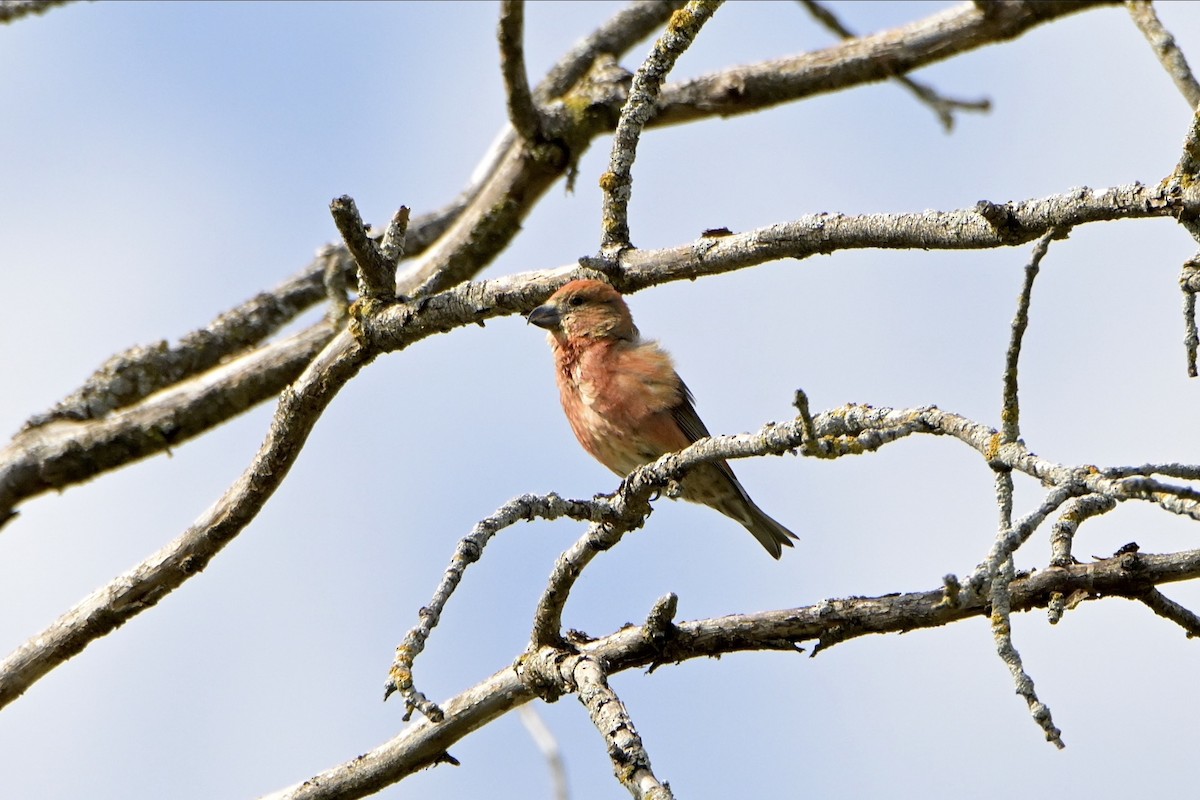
(1189, 283)
(423, 743)
(1167, 608)
(629, 26)
(517, 177)
(129, 594)
(617, 183)
(521, 111)
(376, 271)
(482, 221)
(63, 453)
(943, 107)
(37, 462)
(1076, 511)
(998, 571)
(11, 10)
(209, 383)
(469, 550)
(551, 672)
(546, 742)
(1010, 414)
(868, 59)
(1172, 58)
(1002, 631)
(850, 430)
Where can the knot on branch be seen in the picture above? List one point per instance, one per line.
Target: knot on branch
(1189, 274)
(1001, 219)
(548, 672)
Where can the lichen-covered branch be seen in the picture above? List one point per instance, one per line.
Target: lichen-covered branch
(522, 113)
(469, 550)
(168, 395)
(557, 672)
(140, 588)
(38, 461)
(837, 621)
(1172, 58)
(617, 182)
(481, 222)
(376, 271)
(849, 430)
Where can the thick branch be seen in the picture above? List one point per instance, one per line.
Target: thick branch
(129, 594)
(943, 107)
(423, 743)
(207, 385)
(509, 187)
(34, 463)
(867, 59)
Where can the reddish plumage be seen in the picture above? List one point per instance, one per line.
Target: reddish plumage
(628, 406)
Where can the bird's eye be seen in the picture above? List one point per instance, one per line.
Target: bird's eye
(575, 301)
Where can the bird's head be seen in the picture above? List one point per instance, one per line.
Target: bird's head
(585, 309)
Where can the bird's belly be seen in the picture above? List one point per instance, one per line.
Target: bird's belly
(614, 443)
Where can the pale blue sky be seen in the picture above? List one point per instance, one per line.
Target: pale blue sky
(165, 161)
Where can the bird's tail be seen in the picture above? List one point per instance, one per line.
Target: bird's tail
(716, 486)
(770, 533)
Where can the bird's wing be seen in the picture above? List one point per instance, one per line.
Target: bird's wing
(685, 415)
(693, 427)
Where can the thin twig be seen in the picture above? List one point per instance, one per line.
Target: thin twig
(617, 182)
(394, 241)
(521, 111)
(1189, 283)
(337, 288)
(1010, 414)
(469, 550)
(547, 618)
(1167, 608)
(1169, 54)
(998, 570)
(547, 744)
(943, 107)
(1002, 631)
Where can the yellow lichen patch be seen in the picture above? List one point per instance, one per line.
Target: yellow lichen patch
(992, 451)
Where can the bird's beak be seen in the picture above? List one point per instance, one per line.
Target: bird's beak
(545, 316)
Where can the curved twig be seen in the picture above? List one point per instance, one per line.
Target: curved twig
(522, 113)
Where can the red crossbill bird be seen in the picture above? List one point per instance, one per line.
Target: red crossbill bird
(628, 406)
